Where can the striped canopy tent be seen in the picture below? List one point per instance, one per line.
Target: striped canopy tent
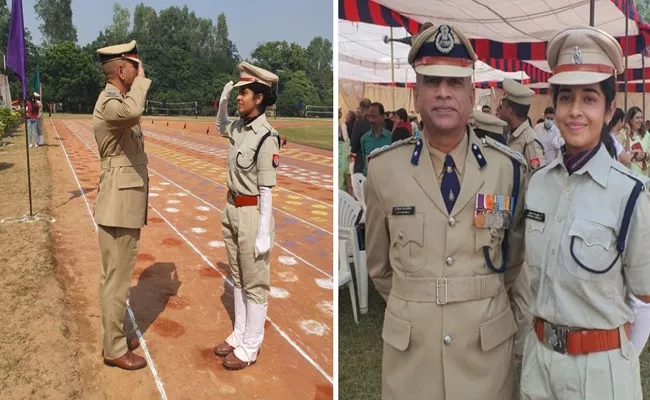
(509, 36)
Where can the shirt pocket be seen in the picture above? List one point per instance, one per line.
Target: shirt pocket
(592, 243)
(245, 157)
(535, 243)
(407, 242)
(491, 239)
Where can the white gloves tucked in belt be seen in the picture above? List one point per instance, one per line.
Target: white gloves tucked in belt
(222, 114)
(263, 240)
(641, 326)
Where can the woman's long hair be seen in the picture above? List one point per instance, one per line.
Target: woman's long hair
(608, 87)
(630, 115)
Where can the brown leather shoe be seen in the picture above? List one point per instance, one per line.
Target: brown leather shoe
(133, 343)
(233, 363)
(223, 349)
(129, 361)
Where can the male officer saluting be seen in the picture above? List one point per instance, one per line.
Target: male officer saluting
(121, 207)
(446, 241)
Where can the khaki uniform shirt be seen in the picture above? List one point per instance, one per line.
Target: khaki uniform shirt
(123, 192)
(245, 174)
(448, 327)
(586, 207)
(525, 141)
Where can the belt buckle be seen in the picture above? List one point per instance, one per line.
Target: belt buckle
(441, 282)
(557, 337)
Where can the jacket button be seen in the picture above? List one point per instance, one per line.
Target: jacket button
(401, 235)
(452, 221)
(448, 340)
(450, 260)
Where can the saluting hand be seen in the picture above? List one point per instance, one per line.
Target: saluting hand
(225, 94)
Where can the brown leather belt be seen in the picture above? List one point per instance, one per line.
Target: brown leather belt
(574, 341)
(242, 200)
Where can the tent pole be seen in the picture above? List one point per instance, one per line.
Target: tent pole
(643, 75)
(392, 67)
(627, 50)
(592, 12)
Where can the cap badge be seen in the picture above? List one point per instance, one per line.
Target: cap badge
(576, 56)
(444, 40)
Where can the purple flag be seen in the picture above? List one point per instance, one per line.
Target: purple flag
(16, 43)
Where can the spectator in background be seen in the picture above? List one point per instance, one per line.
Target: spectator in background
(486, 109)
(400, 134)
(539, 121)
(345, 179)
(549, 135)
(359, 112)
(636, 139)
(343, 129)
(31, 109)
(614, 126)
(389, 125)
(350, 118)
(40, 118)
(375, 138)
(402, 120)
(415, 128)
(361, 126)
(647, 125)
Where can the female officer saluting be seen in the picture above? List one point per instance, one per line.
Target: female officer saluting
(587, 220)
(247, 222)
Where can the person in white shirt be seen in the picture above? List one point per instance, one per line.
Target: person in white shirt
(615, 126)
(549, 135)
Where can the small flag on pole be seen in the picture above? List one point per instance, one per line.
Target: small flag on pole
(16, 44)
(207, 132)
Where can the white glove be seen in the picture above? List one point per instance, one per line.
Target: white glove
(263, 240)
(640, 329)
(222, 114)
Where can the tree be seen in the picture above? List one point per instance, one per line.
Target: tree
(643, 7)
(319, 67)
(119, 31)
(275, 56)
(298, 91)
(56, 17)
(70, 76)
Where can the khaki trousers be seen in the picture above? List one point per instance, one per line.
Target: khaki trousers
(119, 249)
(606, 375)
(239, 227)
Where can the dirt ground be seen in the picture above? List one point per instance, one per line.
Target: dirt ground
(49, 315)
(35, 313)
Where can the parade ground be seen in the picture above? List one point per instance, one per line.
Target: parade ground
(181, 294)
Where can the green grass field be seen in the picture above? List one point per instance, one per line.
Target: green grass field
(306, 131)
(360, 349)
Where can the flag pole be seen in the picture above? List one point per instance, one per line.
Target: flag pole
(29, 174)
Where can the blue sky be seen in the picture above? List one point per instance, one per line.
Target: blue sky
(291, 20)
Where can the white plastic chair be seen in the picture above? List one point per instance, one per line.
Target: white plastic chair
(345, 276)
(349, 210)
(358, 184)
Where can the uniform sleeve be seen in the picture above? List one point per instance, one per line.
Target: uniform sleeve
(266, 168)
(636, 258)
(535, 151)
(126, 112)
(516, 243)
(377, 238)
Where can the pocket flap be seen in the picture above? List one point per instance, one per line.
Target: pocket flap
(406, 228)
(396, 332)
(497, 330)
(592, 233)
(129, 181)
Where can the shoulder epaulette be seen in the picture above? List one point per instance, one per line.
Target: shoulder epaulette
(489, 142)
(112, 93)
(644, 180)
(395, 145)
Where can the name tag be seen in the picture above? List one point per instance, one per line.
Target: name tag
(404, 210)
(535, 215)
